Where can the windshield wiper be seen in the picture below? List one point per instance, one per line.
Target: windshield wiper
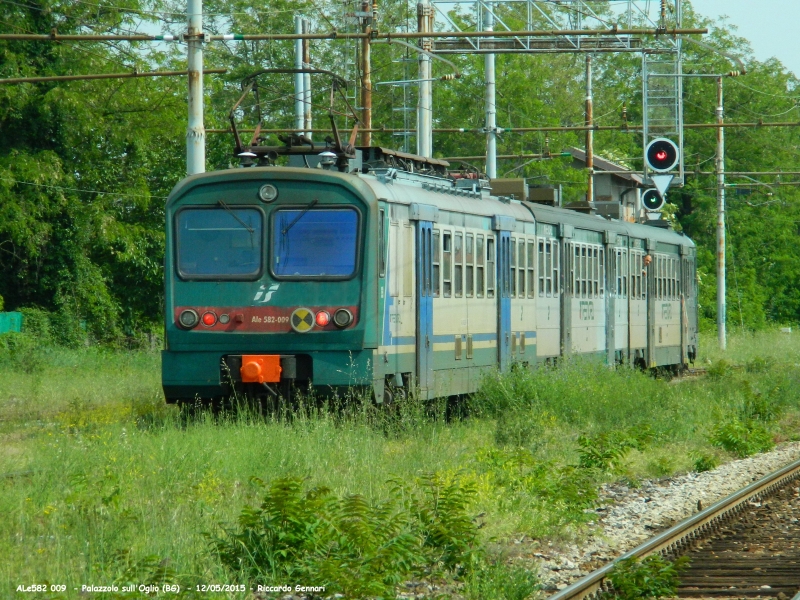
(235, 216)
(286, 229)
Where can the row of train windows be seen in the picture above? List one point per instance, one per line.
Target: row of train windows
(667, 277)
(464, 266)
(522, 281)
(672, 276)
(629, 274)
(586, 270)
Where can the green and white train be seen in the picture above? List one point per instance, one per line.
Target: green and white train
(391, 279)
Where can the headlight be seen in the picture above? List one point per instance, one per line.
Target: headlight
(188, 318)
(342, 317)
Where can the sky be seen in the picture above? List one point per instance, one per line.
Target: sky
(769, 25)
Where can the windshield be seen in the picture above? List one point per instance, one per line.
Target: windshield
(314, 242)
(219, 243)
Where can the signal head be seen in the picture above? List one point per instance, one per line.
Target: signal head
(661, 155)
(652, 200)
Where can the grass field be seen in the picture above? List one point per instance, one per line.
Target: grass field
(101, 483)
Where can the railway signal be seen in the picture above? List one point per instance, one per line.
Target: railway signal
(652, 200)
(662, 155)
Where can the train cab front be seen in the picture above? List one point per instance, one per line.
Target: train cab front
(265, 289)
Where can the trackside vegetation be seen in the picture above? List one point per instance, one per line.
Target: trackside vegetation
(101, 483)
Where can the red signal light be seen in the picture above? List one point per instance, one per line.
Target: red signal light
(323, 318)
(662, 155)
(209, 319)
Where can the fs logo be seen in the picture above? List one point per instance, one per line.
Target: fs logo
(586, 310)
(666, 311)
(267, 293)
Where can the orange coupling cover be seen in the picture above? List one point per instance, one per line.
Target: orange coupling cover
(261, 368)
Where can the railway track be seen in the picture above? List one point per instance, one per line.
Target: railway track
(746, 545)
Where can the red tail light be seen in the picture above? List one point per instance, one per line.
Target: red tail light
(209, 319)
(323, 318)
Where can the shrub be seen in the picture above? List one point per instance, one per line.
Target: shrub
(36, 323)
(68, 329)
(500, 581)
(760, 407)
(22, 351)
(758, 364)
(742, 438)
(704, 462)
(719, 369)
(350, 545)
(516, 428)
(651, 577)
(605, 451)
(661, 466)
(565, 491)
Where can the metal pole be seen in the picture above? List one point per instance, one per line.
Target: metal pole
(589, 132)
(491, 101)
(195, 134)
(721, 305)
(307, 125)
(424, 121)
(299, 91)
(366, 81)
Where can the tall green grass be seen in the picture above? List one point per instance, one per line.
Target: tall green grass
(102, 482)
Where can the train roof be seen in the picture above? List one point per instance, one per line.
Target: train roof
(550, 214)
(409, 188)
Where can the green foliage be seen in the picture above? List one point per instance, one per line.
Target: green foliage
(605, 451)
(719, 369)
(758, 364)
(498, 580)
(651, 577)
(516, 428)
(704, 461)
(742, 438)
(348, 544)
(22, 351)
(522, 480)
(439, 505)
(661, 466)
(36, 323)
(104, 466)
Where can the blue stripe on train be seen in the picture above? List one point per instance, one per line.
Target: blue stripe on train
(443, 339)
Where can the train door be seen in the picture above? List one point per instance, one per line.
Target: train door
(651, 293)
(689, 293)
(637, 304)
(503, 298)
(548, 301)
(619, 291)
(424, 302)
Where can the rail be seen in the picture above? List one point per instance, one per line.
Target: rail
(682, 534)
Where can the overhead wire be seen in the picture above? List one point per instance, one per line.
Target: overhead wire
(752, 89)
(72, 189)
